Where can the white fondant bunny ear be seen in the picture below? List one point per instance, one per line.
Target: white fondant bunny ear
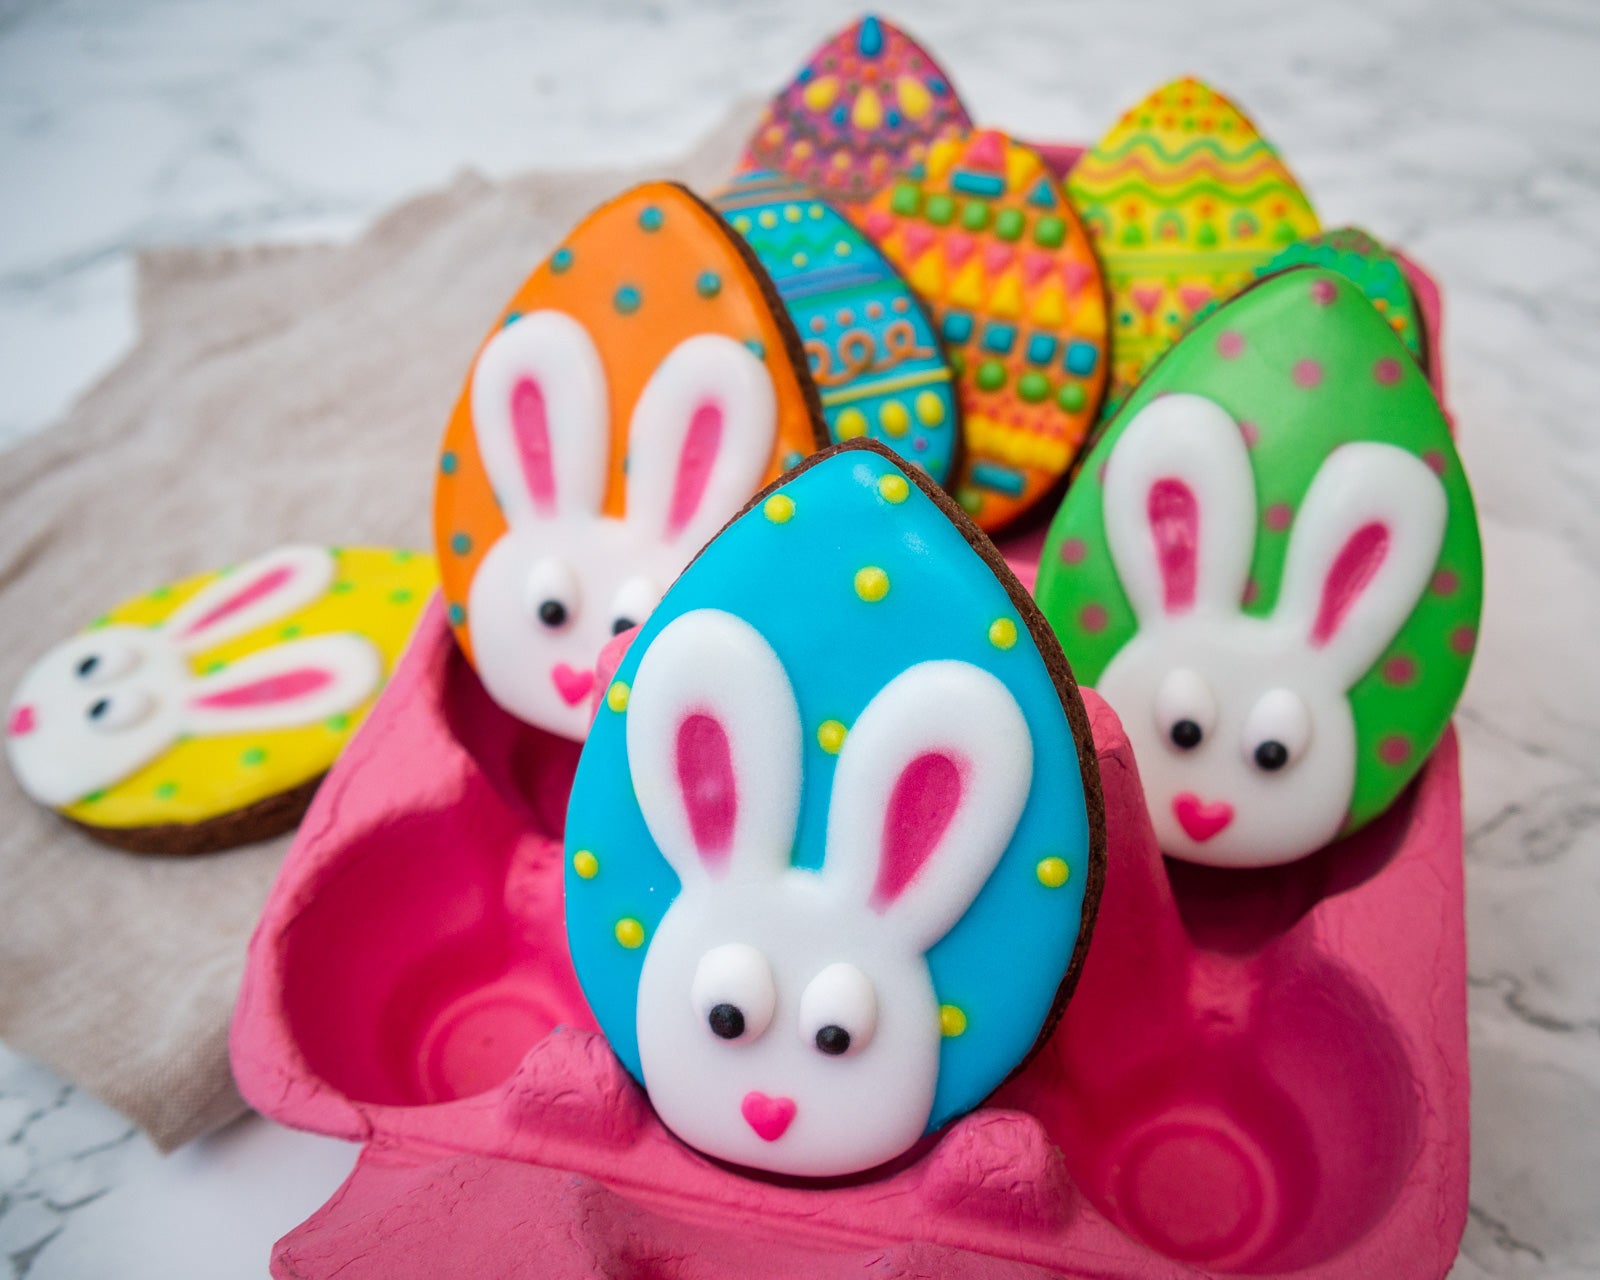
(931, 782)
(1362, 551)
(714, 748)
(288, 685)
(700, 441)
(1180, 508)
(252, 595)
(540, 413)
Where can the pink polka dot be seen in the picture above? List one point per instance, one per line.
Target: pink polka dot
(1252, 592)
(1251, 434)
(1387, 371)
(1435, 460)
(1279, 516)
(1093, 618)
(1307, 374)
(1230, 343)
(1462, 639)
(1395, 749)
(1073, 551)
(1445, 582)
(1323, 292)
(1399, 670)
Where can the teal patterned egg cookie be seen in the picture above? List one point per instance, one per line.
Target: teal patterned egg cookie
(1271, 570)
(874, 355)
(836, 839)
(1363, 259)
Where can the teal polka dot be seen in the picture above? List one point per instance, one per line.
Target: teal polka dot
(458, 615)
(626, 300)
(709, 285)
(650, 218)
(511, 318)
(460, 543)
(560, 260)
(757, 348)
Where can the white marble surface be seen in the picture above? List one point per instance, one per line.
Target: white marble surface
(1463, 129)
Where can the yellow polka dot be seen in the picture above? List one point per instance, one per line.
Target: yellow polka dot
(630, 933)
(617, 696)
(1052, 872)
(930, 409)
(952, 1022)
(791, 213)
(830, 736)
(742, 224)
(872, 583)
(841, 159)
(896, 421)
(767, 219)
(851, 423)
(894, 488)
(842, 248)
(1002, 633)
(779, 508)
(585, 864)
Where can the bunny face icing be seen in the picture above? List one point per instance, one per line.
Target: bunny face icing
(637, 391)
(1267, 726)
(820, 905)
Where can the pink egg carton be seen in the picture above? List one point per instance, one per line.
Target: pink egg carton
(1261, 1071)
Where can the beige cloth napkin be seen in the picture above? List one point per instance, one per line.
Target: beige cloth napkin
(276, 394)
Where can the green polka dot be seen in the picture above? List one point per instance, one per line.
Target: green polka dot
(289, 632)
(448, 463)
(1070, 397)
(104, 620)
(650, 218)
(460, 543)
(709, 285)
(560, 260)
(211, 668)
(905, 200)
(940, 210)
(1050, 232)
(626, 300)
(974, 215)
(1033, 387)
(166, 790)
(991, 375)
(343, 587)
(160, 593)
(253, 756)
(94, 797)
(456, 614)
(338, 723)
(1008, 226)
(402, 595)
(404, 555)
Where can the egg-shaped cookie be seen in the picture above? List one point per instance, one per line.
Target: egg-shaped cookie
(986, 236)
(874, 353)
(836, 840)
(201, 715)
(1184, 199)
(639, 386)
(1271, 569)
(865, 106)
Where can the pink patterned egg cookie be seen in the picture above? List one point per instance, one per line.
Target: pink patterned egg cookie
(836, 840)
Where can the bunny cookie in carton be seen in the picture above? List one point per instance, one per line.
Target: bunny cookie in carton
(639, 387)
(1271, 571)
(834, 844)
(202, 714)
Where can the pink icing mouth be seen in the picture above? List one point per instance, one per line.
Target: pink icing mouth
(1200, 821)
(572, 684)
(769, 1117)
(22, 721)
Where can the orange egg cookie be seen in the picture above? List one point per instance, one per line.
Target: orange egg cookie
(1184, 200)
(639, 387)
(985, 234)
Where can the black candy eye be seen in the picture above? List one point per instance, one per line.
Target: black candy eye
(833, 1040)
(726, 1021)
(1272, 756)
(1186, 734)
(552, 613)
(621, 625)
(87, 666)
(99, 709)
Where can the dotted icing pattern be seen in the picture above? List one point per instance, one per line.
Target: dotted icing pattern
(1364, 261)
(1184, 200)
(377, 592)
(1304, 364)
(641, 273)
(853, 516)
(865, 106)
(873, 352)
(986, 237)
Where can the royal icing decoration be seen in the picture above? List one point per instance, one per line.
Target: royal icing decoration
(874, 354)
(201, 698)
(1373, 269)
(1272, 573)
(986, 237)
(865, 106)
(1184, 200)
(825, 809)
(637, 390)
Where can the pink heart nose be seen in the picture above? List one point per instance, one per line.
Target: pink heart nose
(1200, 821)
(22, 721)
(769, 1117)
(572, 684)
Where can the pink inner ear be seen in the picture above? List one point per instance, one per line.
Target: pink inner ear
(265, 585)
(705, 776)
(924, 800)
(1175, 525)
(700, 445)
(530, 423)
(268, 690)
(1352, 569)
